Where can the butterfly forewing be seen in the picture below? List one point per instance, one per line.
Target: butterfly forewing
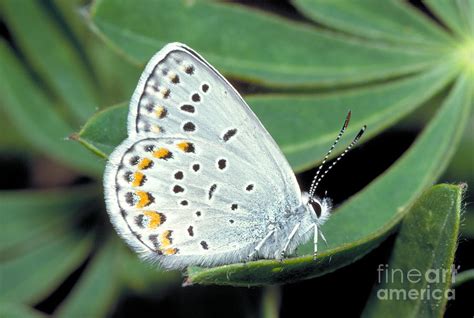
(199, 178)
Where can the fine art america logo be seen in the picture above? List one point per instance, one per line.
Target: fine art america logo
(415, 284)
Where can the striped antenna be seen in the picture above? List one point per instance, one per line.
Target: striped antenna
(354, 141)
(315, 181)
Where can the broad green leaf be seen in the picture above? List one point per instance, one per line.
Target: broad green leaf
(105, 130)
(390, 20)
(422, 259)
(52, 55)
(141, 28)
(369, 216)
(31, 277)
(34, 116)
(15, 310)
(28, 215)
(98, 287)
(303, 125)
(458, 15)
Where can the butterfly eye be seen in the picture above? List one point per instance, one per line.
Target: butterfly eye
(316, 207)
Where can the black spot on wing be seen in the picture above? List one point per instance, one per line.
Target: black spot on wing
(229, 134)
(212, 189)
(221, 164)
(191, 230)
(178, 189)
(189, 126)
(188, 108)
(196, 98)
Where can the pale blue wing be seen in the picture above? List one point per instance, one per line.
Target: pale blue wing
(199, 178)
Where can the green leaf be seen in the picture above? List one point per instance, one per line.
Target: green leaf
(14, 310)
(52, 55)
(457, 15)
(113, 76)
(35, 118)
(142, 276)
(29, 216)
(463, 277)
(424, 249)
(305, 126)
(139, 29)
(98, 288)
(302, 124)
(368, 217)
(105, 130)
(271, 302)
(393, 21)
(31, 277)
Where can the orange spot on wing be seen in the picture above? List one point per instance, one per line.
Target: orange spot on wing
(145, 163)
(160, 112)
(185, 146)
(144, 199)
(166, 239)
(138, 178)
(156, 219)
(156, 129)
(170, 251)
(162, 153)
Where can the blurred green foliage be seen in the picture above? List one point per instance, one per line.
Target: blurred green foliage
(67, 61)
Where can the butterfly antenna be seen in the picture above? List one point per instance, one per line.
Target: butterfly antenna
(354, 141)
(315, 181)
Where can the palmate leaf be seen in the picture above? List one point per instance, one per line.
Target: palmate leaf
(139, 29)
(393, 21)
(305, 124)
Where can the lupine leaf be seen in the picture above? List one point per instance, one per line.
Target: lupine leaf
(425, 245)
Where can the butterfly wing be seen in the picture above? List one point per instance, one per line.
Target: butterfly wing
(199, 178)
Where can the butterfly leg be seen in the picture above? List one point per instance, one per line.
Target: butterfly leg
(288, 240)
(315, 241)
(324, 239)
(259, 245)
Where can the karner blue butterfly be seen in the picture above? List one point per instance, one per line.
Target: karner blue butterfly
(199, 181)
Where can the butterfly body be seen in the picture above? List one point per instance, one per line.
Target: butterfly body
(199, 181)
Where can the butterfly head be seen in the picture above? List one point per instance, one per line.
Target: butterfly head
(318, 208)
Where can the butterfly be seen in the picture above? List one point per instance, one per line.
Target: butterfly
(199, 180)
